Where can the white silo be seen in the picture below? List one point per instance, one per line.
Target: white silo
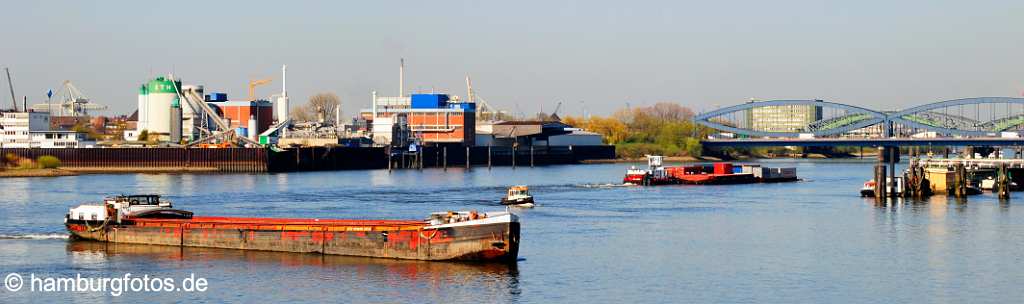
(155, 101)
(252, 130)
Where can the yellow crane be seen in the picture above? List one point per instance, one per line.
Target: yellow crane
(253, 84)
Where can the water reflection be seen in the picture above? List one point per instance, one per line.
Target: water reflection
(434, 278)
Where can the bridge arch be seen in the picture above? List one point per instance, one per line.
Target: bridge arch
(927, 117)
(856, 118)
(910, 117)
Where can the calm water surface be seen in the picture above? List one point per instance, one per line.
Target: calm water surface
(588, 241)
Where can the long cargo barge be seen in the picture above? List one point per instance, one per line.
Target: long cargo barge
(145, 219)
(715, 174)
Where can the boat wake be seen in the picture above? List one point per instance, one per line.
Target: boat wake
(609, 185)
(34, 236)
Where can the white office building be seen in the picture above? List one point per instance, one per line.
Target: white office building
(60, 139)
(16, 128)
(32, 130)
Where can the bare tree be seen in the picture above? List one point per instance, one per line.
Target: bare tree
(321, 106)
(670, 111)
(302, 114)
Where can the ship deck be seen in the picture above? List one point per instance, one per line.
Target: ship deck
(284, 223)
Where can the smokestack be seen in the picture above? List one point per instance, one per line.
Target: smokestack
(282, 101)
(401, 77)
(337, 117)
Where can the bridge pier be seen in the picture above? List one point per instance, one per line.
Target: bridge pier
(885, 172)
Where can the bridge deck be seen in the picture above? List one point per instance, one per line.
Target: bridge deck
(861, 142)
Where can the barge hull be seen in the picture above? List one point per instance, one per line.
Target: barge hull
(497, 241)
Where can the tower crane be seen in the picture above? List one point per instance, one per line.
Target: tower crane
(255, 83)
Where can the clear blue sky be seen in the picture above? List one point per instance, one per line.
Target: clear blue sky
(526, 54)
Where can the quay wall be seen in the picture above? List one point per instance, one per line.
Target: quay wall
(152, 159)
(305, 159)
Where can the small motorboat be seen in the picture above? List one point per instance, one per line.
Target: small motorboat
(518, 196)
(989, 183)
(868, 190)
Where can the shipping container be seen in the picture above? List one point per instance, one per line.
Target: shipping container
(723, 168)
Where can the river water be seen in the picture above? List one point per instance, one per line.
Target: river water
(588, 241)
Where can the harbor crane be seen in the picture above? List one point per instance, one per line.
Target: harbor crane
(72, 102)
(255, 83)
(483, 108)
(554, 114)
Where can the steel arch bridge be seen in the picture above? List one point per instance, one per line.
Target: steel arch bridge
(967, 117)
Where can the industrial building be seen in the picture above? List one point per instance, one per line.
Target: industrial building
(788, 118)
(60, 139)
(533, 133)
(238, 114)
(166, 117)
(427, 118)
(576, 138)
(15, 127)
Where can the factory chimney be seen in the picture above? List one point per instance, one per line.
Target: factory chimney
(401, 77)
(282, 101)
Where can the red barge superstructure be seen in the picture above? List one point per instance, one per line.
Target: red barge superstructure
(145, 219)
(700, 174)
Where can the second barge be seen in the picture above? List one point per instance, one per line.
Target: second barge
(716, 174)
(145, 219)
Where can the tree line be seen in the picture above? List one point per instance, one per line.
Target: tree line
(664, 128)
